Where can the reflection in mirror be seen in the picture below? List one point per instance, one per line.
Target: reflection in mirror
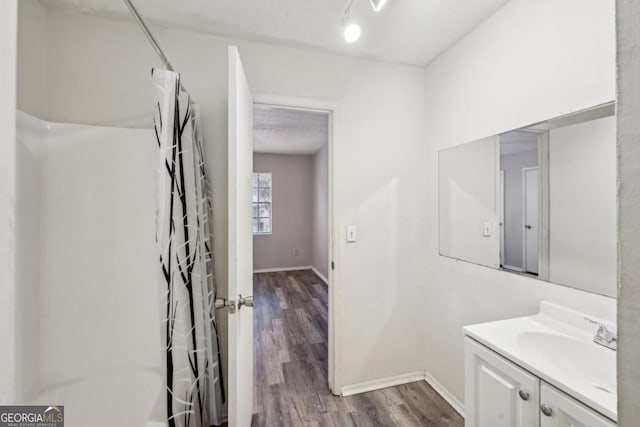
(519, 200)
(467, 200)
(538, 201)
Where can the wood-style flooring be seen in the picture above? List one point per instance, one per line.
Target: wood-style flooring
(290, 371)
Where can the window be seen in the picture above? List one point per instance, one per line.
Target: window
(261, 203)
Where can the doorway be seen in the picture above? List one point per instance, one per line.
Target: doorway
(291, 228)
(519, 203)
(244, 216)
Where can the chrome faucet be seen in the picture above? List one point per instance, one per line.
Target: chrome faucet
(604, 336)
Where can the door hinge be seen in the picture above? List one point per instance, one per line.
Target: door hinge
(333, 266)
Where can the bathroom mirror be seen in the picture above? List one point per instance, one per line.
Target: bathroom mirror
(538, 201)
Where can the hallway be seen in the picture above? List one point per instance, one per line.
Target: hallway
(290, 357)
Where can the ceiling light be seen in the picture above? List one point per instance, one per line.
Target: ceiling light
(352, 31)
(377, 5)
(351, 28)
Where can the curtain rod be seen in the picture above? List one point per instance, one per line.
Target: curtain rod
(152, 40)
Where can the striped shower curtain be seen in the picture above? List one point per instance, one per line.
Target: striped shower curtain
(194, 389)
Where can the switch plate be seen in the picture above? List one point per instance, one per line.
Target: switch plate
(351, 233)
(486, 229)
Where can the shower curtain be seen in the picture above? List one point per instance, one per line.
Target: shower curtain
(193, 377)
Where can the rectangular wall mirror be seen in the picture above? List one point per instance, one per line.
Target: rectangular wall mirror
(538, 201)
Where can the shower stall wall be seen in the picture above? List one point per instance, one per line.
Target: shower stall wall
(88, 306)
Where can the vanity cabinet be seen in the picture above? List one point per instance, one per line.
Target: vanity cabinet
(499, 393)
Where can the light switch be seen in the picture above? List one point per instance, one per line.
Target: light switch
(486, 229)
(351, 233)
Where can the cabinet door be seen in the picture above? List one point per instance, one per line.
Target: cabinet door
(565, 411)
(498, 393)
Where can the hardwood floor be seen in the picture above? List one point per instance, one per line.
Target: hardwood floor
(290, 372)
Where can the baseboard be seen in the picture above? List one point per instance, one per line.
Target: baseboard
(446, 395)
(405, 379)
(320, 275)
(273, 270)
(382, 383)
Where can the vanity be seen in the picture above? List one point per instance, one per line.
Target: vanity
(541, 370)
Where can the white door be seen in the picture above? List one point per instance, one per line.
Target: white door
(530, 219)
(240, 244)
(560, 410)
(497, 393)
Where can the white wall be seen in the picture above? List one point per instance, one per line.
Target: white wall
(582, 206)
(320, 241)
(8, 60)
(512, 165)
(292, 212)
(31, 136)
(102, 77)
(32, 58)
(628, 151)
(529, 62)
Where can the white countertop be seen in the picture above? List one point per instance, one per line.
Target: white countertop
(557, 346)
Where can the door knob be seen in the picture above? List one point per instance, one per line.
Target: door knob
(546, 409)
(528, 227)
(248, 301)
(233, 305)
(225, 303)
(523, 395)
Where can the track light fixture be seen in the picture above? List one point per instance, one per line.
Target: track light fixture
(377, 5)
(350, 27)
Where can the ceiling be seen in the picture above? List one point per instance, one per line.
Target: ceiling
(405, 31)
(518, 142)
(288, 131)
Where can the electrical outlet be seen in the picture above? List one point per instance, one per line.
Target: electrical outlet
(296, 252)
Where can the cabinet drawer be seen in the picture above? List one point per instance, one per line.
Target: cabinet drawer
(565, 411)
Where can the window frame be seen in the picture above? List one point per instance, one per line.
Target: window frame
(258, 202)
